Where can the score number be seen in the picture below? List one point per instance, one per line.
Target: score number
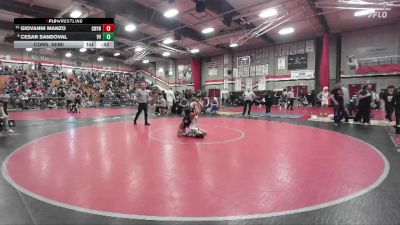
(108, 27)
(104, 44)
(108, 32)
(108, 36)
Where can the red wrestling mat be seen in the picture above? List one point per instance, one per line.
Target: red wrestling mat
(62, 113)
(242, 169)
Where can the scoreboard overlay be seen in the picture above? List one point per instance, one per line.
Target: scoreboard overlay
(64, 33)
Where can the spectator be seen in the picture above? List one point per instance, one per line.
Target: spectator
(323, 97)
(290, 95)
(268, 101)
(4, 119)
(170, 97)
(161, 106)
(214, 105)
(388, 98)
(396, 105)
(364, 105)
(338, 102)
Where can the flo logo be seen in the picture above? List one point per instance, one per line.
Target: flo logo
(378, 15)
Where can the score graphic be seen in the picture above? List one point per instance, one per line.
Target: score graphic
(64, 33)
(108, 32)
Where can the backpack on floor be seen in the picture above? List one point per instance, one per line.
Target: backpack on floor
(11, 123)
(397, 128)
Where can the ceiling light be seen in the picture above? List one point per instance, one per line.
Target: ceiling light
(100, 59)
(268, 13)
(29, 49)
(364, 12)
(130, 27)
(145, 61)
(117, 54)
(138, 49)
(287, 30)
(168, 41)
(83, 50)
(194, 51)
(68, 54)
(166, 54)
(75, 14)
(233, 45)
(207, 30)
(171, 13)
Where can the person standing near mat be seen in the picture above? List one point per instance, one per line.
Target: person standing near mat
(388, 99)
(170, 97)
(268, 101)
(323, 97)
(4, 119)
(248, 98)
(290, 96)
(142, 97)
(338, 105)
(364, 105)
(396, 106)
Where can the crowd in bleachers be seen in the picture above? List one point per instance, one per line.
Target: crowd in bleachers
(114, 89)
(39, 87)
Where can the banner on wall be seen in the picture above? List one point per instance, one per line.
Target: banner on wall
(160, 69)
(226, 72)
(5, 57)
(265, 70)
(252, 71)
(243, 61)
(259, 70)
(249, 83)
(185, 73)
(226, 59)
(301, 47)
(302, 74)
(171, 69)
(246, 71)
(352, 62)
(226, 84)
(261, 84)
(277, 51)
(238, 85)
(281, 63)
(285, 50)
(160, 72)
(235, 72)
(293, 48)
(213, 71)
(310, 46)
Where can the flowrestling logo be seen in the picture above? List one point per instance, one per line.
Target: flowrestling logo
(378, 15)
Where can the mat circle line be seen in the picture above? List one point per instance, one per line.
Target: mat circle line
(242, 135)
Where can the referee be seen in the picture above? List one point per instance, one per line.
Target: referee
(142, 96)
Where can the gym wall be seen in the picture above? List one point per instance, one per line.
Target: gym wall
(376, 43)
(20, 57)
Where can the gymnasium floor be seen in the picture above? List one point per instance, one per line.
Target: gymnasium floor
(98, 168)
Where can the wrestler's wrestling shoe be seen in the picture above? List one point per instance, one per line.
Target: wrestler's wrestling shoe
(199, 135)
